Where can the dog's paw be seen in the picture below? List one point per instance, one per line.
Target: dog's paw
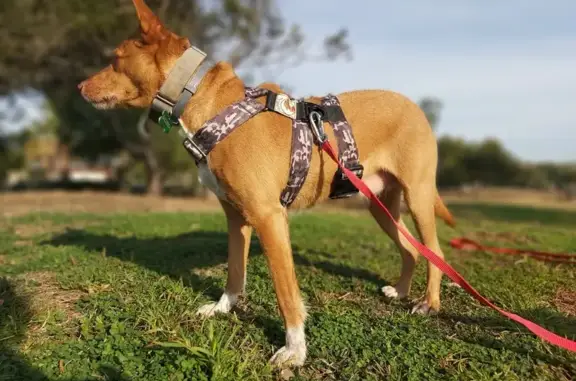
(286, 356)
(210, 309)
(424, 308)
(392, 293)
(224, 305)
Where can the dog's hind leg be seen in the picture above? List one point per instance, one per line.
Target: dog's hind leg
(239, 234)
(420, 200)
(391, 198)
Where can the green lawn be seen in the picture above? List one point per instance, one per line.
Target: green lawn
(93, 297)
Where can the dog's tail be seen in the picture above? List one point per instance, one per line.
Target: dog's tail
(442, 211)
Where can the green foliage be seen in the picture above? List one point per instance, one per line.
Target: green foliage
(489, 163)
(432, 108)
(11, 152)
(140, 278)
(52, 46)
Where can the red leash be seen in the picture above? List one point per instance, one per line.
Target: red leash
(446, 268)
(468, 244)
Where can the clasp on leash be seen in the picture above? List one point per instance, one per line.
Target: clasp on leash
(317, 127)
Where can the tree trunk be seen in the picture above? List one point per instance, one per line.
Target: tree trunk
(155, 183)
(155, 174)
(142, 150)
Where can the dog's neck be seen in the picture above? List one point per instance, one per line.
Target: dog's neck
(219, 88)
(195, 89)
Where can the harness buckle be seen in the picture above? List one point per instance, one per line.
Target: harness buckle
(317, 127)
(282, 104)
(342, 187)
(357, 169)
(194, 150)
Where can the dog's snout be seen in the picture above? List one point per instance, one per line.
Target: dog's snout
(81, 85)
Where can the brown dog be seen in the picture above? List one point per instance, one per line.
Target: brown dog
(248, 170)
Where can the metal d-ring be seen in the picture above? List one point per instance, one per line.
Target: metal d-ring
(317, 127)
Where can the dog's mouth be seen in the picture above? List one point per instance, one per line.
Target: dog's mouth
(104, 103)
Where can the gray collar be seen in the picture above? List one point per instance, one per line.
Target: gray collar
(182, 82)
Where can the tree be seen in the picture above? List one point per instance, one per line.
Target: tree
(452, 153)
(52, 46)
(11, 152)
(432, 107)
(490, 163)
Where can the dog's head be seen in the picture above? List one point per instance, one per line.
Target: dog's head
(139, 66)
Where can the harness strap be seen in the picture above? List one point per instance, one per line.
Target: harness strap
(219, 127)
(301, 148)
(300, 157)
(347, 149)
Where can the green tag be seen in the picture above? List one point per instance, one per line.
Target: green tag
(165, 121)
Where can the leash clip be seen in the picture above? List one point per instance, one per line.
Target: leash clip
(317, 127)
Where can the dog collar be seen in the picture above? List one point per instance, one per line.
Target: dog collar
(180, 85)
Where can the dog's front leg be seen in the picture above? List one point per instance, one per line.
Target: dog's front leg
(272, 230)
(239, 233)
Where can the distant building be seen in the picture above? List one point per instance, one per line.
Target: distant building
(48, 162)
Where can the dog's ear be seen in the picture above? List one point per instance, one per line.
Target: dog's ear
(151, 27)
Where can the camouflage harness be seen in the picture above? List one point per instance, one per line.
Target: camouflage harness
(307, 128)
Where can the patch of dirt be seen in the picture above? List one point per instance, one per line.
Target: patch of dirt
(508, 195)
(21, 243)
(21, 203)
(211, 272)
(565, 301)
(325, 297)
(30, 230)
(45, 301)
(27, 231)
(5, 261)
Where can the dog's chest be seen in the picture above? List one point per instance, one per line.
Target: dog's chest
(209, 180)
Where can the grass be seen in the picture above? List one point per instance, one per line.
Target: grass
(112, 297)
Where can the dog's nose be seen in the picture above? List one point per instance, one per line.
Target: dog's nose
(81, 85)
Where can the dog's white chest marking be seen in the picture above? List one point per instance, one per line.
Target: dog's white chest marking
(209, 180)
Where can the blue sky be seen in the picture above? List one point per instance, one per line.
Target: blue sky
(505, 69)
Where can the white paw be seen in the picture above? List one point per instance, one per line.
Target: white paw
(286, 356)
(224, 305)
(211, 309)
(392, 292)
(422, 308)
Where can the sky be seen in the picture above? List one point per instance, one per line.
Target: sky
(504, 69)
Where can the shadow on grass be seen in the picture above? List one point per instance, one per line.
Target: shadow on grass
(513, 213)
(15, 317)
(178, 256)
(175, 256)
(553, 321)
